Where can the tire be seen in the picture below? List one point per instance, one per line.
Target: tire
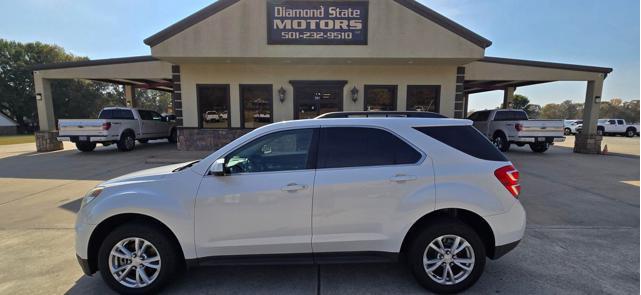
(85, 146)
(500, 141)
(158, 272)
(173, 136)
(143, 140)
(567, 131)
(631, 132)
(539, 147)
(447, 231)
(127, 142)
(600, 132)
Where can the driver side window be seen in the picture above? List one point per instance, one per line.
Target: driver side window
(279, 151)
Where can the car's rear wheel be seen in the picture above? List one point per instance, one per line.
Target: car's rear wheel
(600, 131)
(567, 131)
(630, 132)
(136, 259)
(127, 142)
(447, 257)
(500, 141)
(84, 146)
(539, 147)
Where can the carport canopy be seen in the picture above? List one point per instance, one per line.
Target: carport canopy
(144, 72)
(494, 73)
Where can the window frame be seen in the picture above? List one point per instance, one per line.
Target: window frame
(198, 99)
(437, 107)
(312, 157)
(394, 88)
(413, 146)
(241, 91)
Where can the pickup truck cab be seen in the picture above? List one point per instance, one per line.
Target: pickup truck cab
(122, 126)
(510, 126)
(616, 126)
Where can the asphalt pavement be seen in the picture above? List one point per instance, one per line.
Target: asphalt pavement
(582, 234)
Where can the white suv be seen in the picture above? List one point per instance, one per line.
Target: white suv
(432, 192)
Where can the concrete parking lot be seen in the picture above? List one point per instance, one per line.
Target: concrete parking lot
(582, 235)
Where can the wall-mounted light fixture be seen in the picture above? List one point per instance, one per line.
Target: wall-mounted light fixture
(281, 94)
(39, 96)
(354, 93)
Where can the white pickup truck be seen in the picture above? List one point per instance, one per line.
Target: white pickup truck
(507, 126)
(616, 126)
(122, 126)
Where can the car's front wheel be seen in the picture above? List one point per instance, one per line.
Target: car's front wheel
(447, 257)
(136, 259)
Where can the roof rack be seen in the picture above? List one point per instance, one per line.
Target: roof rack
(380, 114)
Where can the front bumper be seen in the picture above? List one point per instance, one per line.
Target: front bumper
(84, 264)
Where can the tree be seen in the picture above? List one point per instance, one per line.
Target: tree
(520, 101)
(155, 100)
(71, 98)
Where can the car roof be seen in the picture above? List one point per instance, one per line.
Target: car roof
(381, 114)
(391, 122)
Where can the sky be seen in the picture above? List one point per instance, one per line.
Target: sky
(587, 32)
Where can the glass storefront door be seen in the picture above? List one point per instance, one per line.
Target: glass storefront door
(314, 98)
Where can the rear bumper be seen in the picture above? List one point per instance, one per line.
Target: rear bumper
(90, 138)
(499, 251)
(508, 229)
(536, 139)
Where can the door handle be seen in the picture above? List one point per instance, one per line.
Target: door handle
(293, 187)
(402, 178)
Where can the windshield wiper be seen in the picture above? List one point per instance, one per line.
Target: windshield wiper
(181, 168)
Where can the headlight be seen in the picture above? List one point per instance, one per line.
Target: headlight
(92, 194)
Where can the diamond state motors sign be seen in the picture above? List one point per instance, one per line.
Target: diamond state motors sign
(317, 22)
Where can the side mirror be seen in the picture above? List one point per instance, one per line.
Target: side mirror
(218, 168)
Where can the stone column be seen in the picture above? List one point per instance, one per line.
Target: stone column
(46, 138)
(588, 142)
(130, 96)
(508, 97)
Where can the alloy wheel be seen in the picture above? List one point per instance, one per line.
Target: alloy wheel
(448, 259)
(134, 262)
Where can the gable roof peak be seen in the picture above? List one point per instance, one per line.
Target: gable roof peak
(413, 5)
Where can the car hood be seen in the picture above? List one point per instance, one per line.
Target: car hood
(152, 174)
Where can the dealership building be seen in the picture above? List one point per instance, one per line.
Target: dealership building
(240, 64)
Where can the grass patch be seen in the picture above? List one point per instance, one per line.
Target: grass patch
(15, 139)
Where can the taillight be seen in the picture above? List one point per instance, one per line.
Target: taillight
(518, 126)
(106, 126)
(509, 177)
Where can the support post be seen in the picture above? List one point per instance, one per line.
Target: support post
(466, 97)
(588, 142)
(46, 138)
(508, 97)
(130, 96)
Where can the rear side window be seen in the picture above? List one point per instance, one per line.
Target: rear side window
(116, 114)
(510, 116)
(357, 147)
(479, 116)
(465, 139)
